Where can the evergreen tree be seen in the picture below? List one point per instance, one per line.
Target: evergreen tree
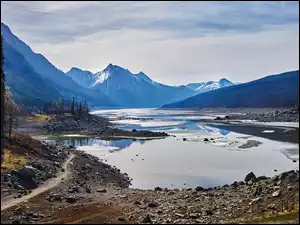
(73, 106)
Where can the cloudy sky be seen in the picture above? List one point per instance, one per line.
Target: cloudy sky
(172, 42)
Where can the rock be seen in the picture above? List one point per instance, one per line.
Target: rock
(184, 139)
(121, 219)
(16, 222)
(158, 189)
(276, 193)
(294, 160)
(255, 200)
(137, 203)
(241, 183)
(235, 184)
(88, 189)
(206, 139)
(152, 204)
(179, 215)
(147, 219)
(199, 188)
(261, 178)
(102, 190)
(194, 215)
(290, 188)
(71, 199)
(63, 170)
(258, 190)
(134, 130)
(208, 212)
(249, 177)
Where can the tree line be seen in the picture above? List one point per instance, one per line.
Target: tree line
(58, 106)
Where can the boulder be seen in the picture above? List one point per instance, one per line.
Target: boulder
(158, 189)
(199, 188)
(71, 199)
(147, 219)
(249, 177)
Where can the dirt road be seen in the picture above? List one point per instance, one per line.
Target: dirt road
(49, 184)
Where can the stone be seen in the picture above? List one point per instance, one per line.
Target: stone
(255, 200)
(194, 215)
(261, 178)
(152, 204)
(258, 190)
(71, 199)
(121, 219)
(179, 215)
(102, 190)
(147, 219)
(206, 139)
(184, 139)
(199, 188)
(137, 203)
(276, 193)
(63, 170)
(208, 212)
(249, 177)
(158, 189)
(88, 189)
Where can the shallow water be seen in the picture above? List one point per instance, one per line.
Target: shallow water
(175, 163)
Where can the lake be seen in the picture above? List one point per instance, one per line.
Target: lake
(177, 163)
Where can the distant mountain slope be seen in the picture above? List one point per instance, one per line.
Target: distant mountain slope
(271, 91)
(210, 85)
(25, 84)
(63, 84)
(83, 78)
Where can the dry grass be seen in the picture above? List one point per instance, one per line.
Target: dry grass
(12, 160)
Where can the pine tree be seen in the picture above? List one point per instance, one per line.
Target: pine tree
(73, 107)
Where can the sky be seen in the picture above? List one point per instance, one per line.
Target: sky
(172, 42)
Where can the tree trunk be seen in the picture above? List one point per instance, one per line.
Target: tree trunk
(10, 125)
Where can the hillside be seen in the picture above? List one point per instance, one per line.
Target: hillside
(33, 78)
(280, 90)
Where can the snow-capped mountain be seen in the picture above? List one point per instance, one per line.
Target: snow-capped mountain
(210, 85)
(82, 77)
(273, 91)
(129, 89)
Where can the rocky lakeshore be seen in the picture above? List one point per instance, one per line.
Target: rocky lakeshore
(94, 192)
(88, 124)
(278, 115)
(106, 198)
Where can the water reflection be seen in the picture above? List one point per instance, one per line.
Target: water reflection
(81, 142)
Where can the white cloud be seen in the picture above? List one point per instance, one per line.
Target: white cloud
(172, 42)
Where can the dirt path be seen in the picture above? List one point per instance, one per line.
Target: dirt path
(49, 184)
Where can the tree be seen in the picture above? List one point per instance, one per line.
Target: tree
(2, 98)
(73, 107)
(11, 110)
(80, 109)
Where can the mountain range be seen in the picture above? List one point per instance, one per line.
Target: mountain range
(137, 90)
(281, 90)
(33, 79)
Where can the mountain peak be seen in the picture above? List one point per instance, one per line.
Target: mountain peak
(73, 69)
(224, 82)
